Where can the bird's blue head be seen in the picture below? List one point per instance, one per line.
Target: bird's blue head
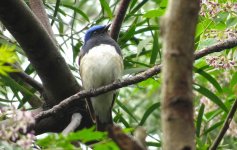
(97, 28)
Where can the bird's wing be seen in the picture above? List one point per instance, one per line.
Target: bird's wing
(81, 54)
(88, 100)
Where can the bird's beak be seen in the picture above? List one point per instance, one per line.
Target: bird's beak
(107, 27)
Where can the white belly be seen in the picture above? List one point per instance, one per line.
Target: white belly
(102, 65)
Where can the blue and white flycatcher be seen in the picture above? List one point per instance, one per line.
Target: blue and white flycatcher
(101, 63)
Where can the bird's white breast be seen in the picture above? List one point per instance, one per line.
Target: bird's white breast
(102, 65)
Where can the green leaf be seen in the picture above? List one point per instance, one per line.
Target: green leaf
(209, 78)
(126, 110)
(146, 29)
(87, 135)
(49, 140)
(106, 7)
(233, 81)
(154, 144)
(55, 11)
(16, 87)
(207, 42)
(61, 26)
(134, 70)
(154, 13)
(139, 5)
(163, 3)
(119, 118)
(155, 49)
(110, 145)
(76, 50)
(204, 91)
(231, 22)
(7, 100)
(148, 112)
(202, 27)
(142, 45)
(77, 10)
(129, 34)
(199, 120)
(212, 114)
(7, 55)
(213, 127)
(222, 16)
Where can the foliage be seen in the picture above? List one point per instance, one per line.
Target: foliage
(215, 76)
(54, 141)
(7, 56)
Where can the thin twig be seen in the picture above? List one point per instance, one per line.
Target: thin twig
(28, 82)
(117, 23)
(226, 44)
(26, 78)
(119, 84)
(225, 126)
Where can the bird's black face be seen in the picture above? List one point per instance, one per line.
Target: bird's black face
(96, 30)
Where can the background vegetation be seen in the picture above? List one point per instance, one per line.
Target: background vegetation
(214, 78)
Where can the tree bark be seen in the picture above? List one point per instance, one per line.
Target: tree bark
(178, 30)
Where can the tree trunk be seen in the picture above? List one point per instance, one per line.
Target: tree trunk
(178, 30)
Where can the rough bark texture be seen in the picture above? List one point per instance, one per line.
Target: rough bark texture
(178, 29)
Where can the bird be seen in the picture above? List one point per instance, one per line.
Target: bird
(100, 63)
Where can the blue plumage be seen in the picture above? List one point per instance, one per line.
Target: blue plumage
(91, 30)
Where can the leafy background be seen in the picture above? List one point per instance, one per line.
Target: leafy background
(215, 76)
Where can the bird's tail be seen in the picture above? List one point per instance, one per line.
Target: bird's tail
(103, 126)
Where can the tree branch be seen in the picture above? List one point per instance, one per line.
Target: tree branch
(58, 81)
(37, 7)
(225, 126)
(124, 141)
(117, 23)
(40, 49)
(116, 85)
(26, 78)
(28, 82)
(227, 44)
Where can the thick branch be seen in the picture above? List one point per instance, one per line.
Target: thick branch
(37, 7)
(117, 23)
(225, 126)
(40, 49)
(124, 141)
(116, 85)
